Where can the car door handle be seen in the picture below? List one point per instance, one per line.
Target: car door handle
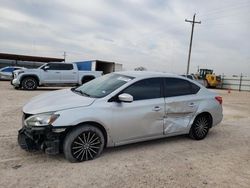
(57, 72)
(156, 108)
(74, 72)
(191, 104)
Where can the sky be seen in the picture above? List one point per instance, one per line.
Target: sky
(148, 33)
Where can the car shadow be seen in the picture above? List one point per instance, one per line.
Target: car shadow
(157, 142)
(49, 88)
(107, 152)
(149, 143)
(43, 89)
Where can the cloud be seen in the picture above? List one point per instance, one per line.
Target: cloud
(148, 33)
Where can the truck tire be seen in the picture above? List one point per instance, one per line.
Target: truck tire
(83, 143)
(29, 83)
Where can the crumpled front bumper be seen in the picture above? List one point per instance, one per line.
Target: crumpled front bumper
(39, 138)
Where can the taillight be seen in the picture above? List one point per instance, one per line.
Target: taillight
(219, 99)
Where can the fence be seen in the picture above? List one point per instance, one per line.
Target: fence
(240, 83)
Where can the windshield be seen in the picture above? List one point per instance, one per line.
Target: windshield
(104, 85)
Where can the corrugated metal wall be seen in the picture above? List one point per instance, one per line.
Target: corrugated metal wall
(240, 83)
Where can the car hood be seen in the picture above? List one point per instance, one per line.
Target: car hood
(55, 101)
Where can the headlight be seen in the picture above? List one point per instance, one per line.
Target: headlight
(20, 72)
(41, 119)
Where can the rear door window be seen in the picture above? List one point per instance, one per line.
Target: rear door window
(178, 87)
(66, 67)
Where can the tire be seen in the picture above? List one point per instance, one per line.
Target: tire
(29, 83)
(200, 127)
(83, 143)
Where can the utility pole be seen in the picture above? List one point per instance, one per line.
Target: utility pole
(64, 56)
(191, 40)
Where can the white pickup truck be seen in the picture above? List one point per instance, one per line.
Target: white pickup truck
(52, 74)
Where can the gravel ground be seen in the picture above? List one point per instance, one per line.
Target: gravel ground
(220, 160)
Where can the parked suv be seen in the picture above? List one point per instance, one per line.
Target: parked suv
(117, 109)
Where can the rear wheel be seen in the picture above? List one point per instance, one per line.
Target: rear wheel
(200, 127)
(83, 143)
(29, 83)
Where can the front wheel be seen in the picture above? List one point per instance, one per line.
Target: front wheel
(200, 127)
(83, 143)
(29, 83)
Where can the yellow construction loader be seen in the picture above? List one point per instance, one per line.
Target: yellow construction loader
(208, 77)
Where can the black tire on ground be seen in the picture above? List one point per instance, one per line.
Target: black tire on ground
(200, 127)
(83, 143)
(29, 83)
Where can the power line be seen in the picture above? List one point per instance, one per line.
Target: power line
(191, 40)
(226, 8)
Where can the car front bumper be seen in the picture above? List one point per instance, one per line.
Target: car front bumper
(39, 138)
(15, 82)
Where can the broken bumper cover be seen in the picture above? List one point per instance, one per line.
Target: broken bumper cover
(39, 138)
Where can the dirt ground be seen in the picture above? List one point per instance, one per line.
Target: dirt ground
(220, 160)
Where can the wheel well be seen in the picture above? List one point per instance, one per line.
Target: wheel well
(208, 115)
(97, 125)
(87, 78)
(30, 76)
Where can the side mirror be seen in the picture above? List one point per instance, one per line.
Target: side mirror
(45, 68)
(124, 97)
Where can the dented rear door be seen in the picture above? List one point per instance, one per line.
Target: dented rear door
(181, 104)
(179, 111)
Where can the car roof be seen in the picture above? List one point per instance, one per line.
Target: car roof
(146, 74)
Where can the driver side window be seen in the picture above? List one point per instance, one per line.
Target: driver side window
(145, 89)
(53, 66)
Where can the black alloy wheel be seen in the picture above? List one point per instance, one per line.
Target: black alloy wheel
(83, 143)
(29, 83)
(200, 127)
(86, 146)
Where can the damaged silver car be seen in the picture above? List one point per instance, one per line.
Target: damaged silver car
(117, 109)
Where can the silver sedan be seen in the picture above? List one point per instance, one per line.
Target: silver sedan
(117, 109)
